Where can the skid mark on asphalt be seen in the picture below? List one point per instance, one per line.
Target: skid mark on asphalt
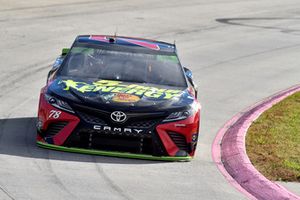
(243, 22)
(27, 70)
(181, 32)
(82, 3)
(55, 178)
(127, 8)
(17, 107)
(110, 182)
(21, 79)
(6, 193)
(246, 56)
(53, 5)
(47, 168)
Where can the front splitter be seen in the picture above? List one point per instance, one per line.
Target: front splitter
(113, 153)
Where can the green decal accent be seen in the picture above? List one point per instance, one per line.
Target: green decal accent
(159, 90)
(113, 154)
(153, 94)
(136, 92)
(169, 96)
(70, 84)
(103, 89)
(107, 83)
(139, 87)
(132, 86)
(86, 88)
(65, 51)
(171, 93)
(118, 87)
(86, 51)
(165, 58)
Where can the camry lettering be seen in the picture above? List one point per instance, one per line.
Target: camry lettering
(115, 129)
(106, 128)
(118, 129)
(97, 127)
(127, 130)
(137, 131)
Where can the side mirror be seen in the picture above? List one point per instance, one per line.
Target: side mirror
(188, 73)
(65, 51)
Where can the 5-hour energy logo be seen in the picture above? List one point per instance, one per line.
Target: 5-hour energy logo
(110, 86)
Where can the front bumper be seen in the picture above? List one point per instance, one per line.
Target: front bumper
(175, 141)
(112, 153)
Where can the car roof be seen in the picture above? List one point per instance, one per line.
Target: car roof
(127, 41)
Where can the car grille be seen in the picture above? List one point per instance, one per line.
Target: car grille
(132, 123)
(110, 142)
(145, 142)
(179, 140)
(91, 118)
(55, 128)
(132, 134)
(143, 123)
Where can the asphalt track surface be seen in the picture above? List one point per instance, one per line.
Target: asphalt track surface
(240, 52)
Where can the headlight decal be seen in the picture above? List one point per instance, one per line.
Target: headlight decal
(57, 103)
(180, 115)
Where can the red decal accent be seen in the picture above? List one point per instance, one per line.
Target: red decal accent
(43, 115)
(99, 38)
(191, 127)
(142, 43)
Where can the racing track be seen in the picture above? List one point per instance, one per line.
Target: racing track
(240, 52)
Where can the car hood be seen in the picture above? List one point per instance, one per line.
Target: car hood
(113, 94)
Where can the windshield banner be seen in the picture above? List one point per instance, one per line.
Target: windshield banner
(110, 86)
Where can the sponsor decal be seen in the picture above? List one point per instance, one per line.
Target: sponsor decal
(99, 38)
(125, 98)
(55, 114)
(110, 86)
(141, 43)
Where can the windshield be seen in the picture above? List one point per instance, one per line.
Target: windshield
(93, 62)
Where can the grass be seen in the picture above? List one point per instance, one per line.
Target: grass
(273, 141)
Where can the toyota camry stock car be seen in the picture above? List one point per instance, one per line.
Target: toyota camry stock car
(120, 96)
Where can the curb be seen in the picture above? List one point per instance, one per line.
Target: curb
(229, 153)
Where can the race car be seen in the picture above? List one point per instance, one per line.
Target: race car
(120, 96)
